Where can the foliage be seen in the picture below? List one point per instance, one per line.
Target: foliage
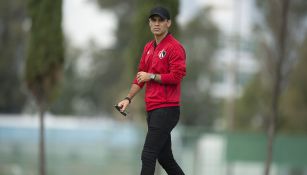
(89, 92)
(45, 60)
(260, 90)
(45, 55)
(200, 38)
(294, 100)
(64, 104)
(252, 107)
(12, 50)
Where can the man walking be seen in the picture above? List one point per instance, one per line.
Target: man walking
(161, 69)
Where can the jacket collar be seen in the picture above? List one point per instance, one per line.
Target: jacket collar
(168, 35)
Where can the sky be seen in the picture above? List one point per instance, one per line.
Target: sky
(83, 22)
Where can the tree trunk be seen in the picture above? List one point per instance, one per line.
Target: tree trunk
(271, 136)
(42, 162)
(278, 78)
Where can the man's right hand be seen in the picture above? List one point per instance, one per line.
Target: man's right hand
(123, 105)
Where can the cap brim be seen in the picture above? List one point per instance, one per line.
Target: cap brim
(156, 14)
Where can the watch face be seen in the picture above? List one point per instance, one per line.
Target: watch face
(152, 76)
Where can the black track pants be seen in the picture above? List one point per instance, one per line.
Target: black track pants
(158, 141)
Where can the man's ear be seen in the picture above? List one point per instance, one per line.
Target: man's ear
(169, 23)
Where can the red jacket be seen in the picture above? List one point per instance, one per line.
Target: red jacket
(167, 59)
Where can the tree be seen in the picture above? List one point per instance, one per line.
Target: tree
(12, 50)
(280, 32)
(45, 59)
(91, 92)
(200, 37)
(65, 103)
(252, 106)
(294, 100)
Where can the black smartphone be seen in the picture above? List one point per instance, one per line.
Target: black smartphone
(118, 109)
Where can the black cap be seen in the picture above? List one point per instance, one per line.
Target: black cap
(160, 11)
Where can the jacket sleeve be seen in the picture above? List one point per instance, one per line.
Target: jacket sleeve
(141, 67)
(177, 62)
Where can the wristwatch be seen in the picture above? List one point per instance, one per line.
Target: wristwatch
(152, 76)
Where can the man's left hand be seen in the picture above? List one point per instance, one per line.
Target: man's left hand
(143, 77)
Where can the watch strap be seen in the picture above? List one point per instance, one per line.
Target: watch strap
(127, 98)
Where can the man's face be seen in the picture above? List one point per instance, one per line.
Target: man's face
(158, 25)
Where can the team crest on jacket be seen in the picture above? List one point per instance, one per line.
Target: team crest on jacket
(162, 54)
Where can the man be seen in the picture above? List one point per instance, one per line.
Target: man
(161, 68)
